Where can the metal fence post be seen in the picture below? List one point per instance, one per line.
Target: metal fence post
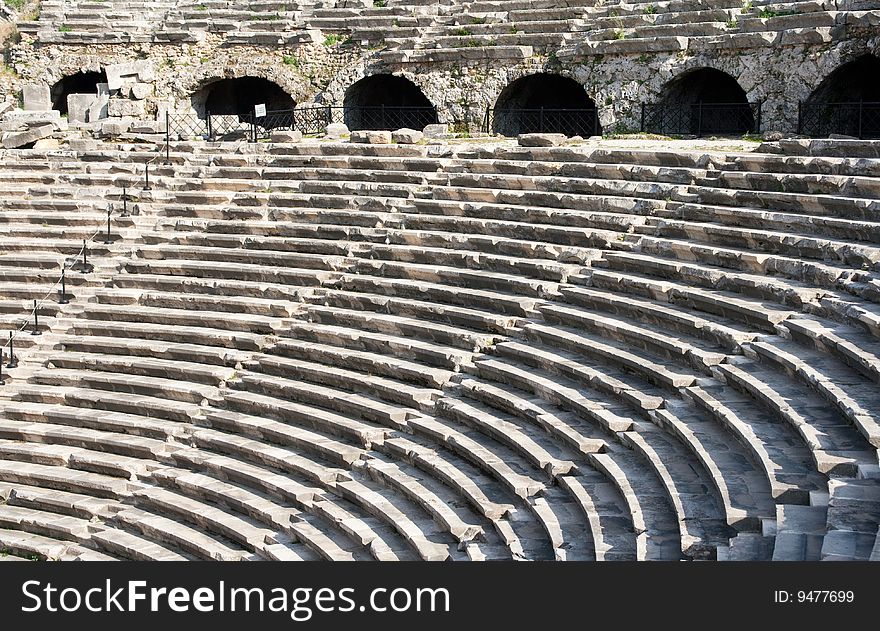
(36, 330)
(85, 265)
(860, 118)
(699, 119)
(13, 362)
(62, 300)
(541, 120)
(800, 123)
(208, 125)
(642, 124)
(147, 186)
(167, 139)
(760, 114)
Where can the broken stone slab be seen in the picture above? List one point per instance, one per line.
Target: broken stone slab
(47, 143)
(36, 97)
(140, 91)
(436, 130)
(286, 136)
(99, 107)
(541, 140)
(336, 131)
(78, 106)
(148, 127)
(82, 144)
(406, 136)
(126, 107)
(131, 72)
(115, 128)
(20, 139)
(371, 137)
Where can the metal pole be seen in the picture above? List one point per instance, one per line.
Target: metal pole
(109, 210)
(13, 362)
(147, 177)
(36, 330)
(167, 138)
(700, 120)
(860, 118)
(62, 300)
(124, 201)
(208, 125)
(642, 125)
(85, 266)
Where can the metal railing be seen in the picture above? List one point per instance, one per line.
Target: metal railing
(860, 119)
(312, 120)
(568, 121)
(701, 119)
(79, 261)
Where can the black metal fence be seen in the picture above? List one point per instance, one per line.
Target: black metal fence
(308, 120)
(859, 119)
(701, 119)
(568, 121)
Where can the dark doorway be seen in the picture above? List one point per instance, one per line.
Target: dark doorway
(702, 102)
(387, 102)
(847, 102)
(79, 83)
(544, 103)
(239, 96)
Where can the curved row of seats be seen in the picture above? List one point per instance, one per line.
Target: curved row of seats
(415, 30)
(340, 351)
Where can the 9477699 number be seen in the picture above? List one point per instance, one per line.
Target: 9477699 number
(817, 596)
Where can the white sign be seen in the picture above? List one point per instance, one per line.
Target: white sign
(260, 110)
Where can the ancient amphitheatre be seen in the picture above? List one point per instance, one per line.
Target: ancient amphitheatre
(613, 293)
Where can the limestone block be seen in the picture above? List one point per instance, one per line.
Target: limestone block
(126, 107)
(33, 134)
(82, 144)
(99, 109)
(115, 128)
(336, 130)
(130, 72)
(19, 120)
(440, 130)
(407, 136)
(148, 127)
(541, 140)
(36, 97)
(78, 106)
(371, 137)
(47, 143)
(140, 91)
(286, 136)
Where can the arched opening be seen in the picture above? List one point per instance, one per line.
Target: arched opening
(227, 106)
(847, 102)
(239, 96)
(701, 102)
(79, 83)
(544, 103)
(387, 102)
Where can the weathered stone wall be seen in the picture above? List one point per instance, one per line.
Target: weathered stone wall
(780, 77)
